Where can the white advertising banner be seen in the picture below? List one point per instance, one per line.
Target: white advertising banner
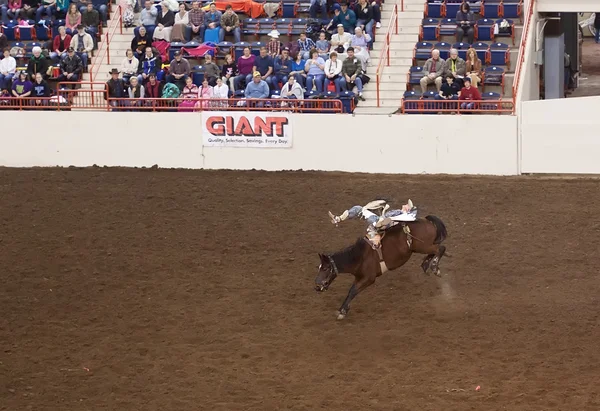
(246, 129)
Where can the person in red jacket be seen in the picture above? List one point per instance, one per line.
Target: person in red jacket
(468, 95)
(60, 44)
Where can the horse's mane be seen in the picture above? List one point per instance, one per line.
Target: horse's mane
(350, 255)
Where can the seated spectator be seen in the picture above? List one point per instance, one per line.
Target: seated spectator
(315, 74)
(433, 71)
(181, 22)
(283, 67)
(229, 71)
(148, 17)
(29, 10)
(73, 18)
(364, 17)
(230, 25)
(8, 68)
(305, 46)
(140, 42)
(376, 7)
(211, 70)
(317, 6)
(41, 90)
(129, 66)
(473, 67)
(274, 45)
(351, 74)
(56, 9)
(164, 23)
(345, 16)
(292, 90)
(455, 66)
(11, 10)
(465, 21)
(213, 17)
(449, 90)
(179, 70)
(360, 44)
(3, 41)
(245, 64)
(101, 6)
(469, 95)
(127, 11)
(257, 88)
(22, 86)
(189, 94)
(83, 43)
(196, 22)
(205, 93)
(264, 65)
(221, 91)
(149, 64)
(90, 19)
(298, 71)
(340, 41)
(323, 46)
(38, 63)
(115, 89)
(333, 69)
(135, 92)
(60, 44)
(71, 67)
(153, 88)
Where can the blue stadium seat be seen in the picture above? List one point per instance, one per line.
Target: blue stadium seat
(492, 9)
(42, 33)
(250, 27)
(414, 75)
(10, 32)
(289, 10)
(298, 26)
(239, 93)
(490, 96)
(198, 75)
(411, 103)
(493, 75)
(265, 26)
(422, 51)
(509, 32)
(444, 49)
(224, 48)
(255, 47)
(26, 33)
(239, 49)
(452, 7)
(429, 106)
(462, 49)
(484, 30)
(448, 27)
(499, 54)
(284, 26)
(483, 51)
(55, 26)
(430, 30)
(175, 46)
(513, 9)
(434, 9)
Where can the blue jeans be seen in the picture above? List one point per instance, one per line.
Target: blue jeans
(102, 10)
(4, 80)
(55, 57)
(337, 83)
(84, 59)
(317, 80)
(279, 78)
(300, 79)
(316, 6)
(52, 11)
(357, 82)
(236, 34)
(598, 34)
(467, 106)
(9, 15)
(368, 26)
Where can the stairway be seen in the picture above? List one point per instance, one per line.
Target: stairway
(393, 79)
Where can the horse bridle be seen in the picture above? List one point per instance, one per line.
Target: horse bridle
(334, 268)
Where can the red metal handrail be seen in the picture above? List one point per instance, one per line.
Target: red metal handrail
(521, 56)
(427, 106)
(116, 22)
(385, 50)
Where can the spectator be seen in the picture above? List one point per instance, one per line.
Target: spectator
(230, 24)
(71, 67)
(8, 68)
(229, 71)
(351, 74)
(315, 72)
(60, 44)
(149, 64)
(90, 19)
(153, 88)
(465, 21)
(148, 17)
(129, 66)
(283, 67)
(455, 66)
(316, 6)
(140, 42)
(40, 90)
(29, 10)
(469, 95)
(3, 41)
(189, 94)
(135, 92)
(11, 10)
(305, 46)
(333, 69)
(22, 86)
(179, 70)
(245, 64)
(473, 67)
(292, 90)
(360, 44)
(211, 70)
(257, 88)
(115, 89)
(38, 63)
(364, 17)
(433, 71)
(323, 46)
(376, 7)
(340, 41)
(205, 93)
(196, 22)
(264, 65)
(213, 17)
(345, 16)
(449, 90)
(274, 45)
(181, 22)
(100, 6)
(164, 23)
(84, 44)
(73, 18)
(298, 70)
(221, 91)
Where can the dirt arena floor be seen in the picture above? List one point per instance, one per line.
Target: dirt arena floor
(168, 290)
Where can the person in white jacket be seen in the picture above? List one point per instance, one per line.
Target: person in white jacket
(83, 44)
(221, 92)
(333, 68)
(129, 66)
(8, 67)
(291, 90)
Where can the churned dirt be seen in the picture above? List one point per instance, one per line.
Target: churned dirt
(193, 290)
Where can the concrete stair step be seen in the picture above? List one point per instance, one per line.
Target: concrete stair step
(362, 109)
(394, 61)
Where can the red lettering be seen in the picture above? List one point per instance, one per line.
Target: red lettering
(214, 125)
(269, 126)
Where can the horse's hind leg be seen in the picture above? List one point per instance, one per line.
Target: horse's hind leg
(427, 262)
(435, 262)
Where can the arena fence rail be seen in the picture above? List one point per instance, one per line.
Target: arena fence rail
(384, 56)
(413, 106)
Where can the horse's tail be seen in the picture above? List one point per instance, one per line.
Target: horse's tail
(440, 227)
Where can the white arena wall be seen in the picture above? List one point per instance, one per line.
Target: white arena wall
(406, 144)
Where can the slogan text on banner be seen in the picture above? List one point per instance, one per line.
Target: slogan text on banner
(246, 129)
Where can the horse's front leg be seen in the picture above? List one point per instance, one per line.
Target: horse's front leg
(356, 288)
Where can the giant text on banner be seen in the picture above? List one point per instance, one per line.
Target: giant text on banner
(246, 129)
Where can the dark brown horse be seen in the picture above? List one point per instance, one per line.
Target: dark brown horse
(424, 236)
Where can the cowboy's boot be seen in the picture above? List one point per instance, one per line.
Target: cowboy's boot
(338, 219)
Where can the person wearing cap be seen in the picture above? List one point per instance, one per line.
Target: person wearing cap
(71, 67)
(351, 72)
(83, 44)
(468, 95)
(316, 6)
(179, 70)
(115, 88)
(257, 88)
(283, 67)
(344, 16)
(274, 45)
(305, 45)
(264, 65)
(38, 63)
(230, 25)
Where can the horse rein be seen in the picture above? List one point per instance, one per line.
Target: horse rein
(333, 266)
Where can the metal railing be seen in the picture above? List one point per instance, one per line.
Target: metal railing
(521, 55)
(385, 50)
(116, 23)
(428, 106)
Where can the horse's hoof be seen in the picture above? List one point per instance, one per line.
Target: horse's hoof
(438, 272)
(341, 316)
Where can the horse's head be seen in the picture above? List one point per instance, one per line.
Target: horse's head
(327, 273)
